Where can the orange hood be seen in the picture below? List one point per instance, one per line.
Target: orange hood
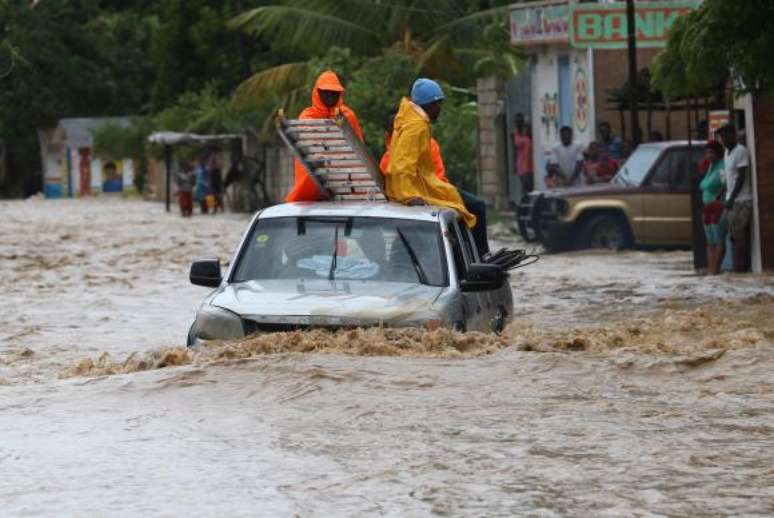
(328, 80)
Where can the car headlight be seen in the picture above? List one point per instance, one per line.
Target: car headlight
(214, 323)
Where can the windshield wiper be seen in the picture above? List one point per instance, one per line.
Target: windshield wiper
(413, 256)
(335, 254)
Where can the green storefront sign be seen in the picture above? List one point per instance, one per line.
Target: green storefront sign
(604, 25)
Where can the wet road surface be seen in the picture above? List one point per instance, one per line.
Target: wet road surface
(627, 385)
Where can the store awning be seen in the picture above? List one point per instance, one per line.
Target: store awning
(172, 138)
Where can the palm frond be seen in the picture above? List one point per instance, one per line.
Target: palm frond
(306, 29)
(474, 19)
(274, 81)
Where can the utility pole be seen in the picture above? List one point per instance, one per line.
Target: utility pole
(632, 44)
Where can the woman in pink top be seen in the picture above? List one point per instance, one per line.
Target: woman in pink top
(522, 144)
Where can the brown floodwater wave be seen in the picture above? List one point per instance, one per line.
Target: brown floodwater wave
(688, 336)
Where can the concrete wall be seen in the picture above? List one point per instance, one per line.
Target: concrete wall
(492, 157)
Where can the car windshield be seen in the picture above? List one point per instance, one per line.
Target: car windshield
(344, 248)
(636, 167)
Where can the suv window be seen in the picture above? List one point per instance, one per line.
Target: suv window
(674, 169)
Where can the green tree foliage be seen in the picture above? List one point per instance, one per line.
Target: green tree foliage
(63, 60)
(720, 40)
(453, 40)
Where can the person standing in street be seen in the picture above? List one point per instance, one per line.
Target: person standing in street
(613, 144)
(185, 182)
(216, 182)
(202, 189)
(566, 162)
(711, 187)
(738, 197)
(522, 146)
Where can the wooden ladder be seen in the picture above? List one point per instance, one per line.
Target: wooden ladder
(335, 158)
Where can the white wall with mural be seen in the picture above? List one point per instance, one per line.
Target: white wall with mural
(561, 96)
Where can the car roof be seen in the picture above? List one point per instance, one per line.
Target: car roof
(365, 209)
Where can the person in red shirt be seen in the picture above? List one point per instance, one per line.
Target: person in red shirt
(598, 167)
(522, 146)
(327, 103)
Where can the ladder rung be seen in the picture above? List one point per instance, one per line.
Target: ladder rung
(324, 171)
(356, 177)
(306, 135)
(323, 143)
(364, 184)
(325, 157)
(314, 129)
(309, 122)
(323, 148)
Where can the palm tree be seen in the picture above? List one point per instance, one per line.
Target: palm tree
(454, 40)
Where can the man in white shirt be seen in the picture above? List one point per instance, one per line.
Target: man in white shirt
(738, 197)
(566, 161)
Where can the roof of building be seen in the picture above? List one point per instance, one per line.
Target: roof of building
(77, 132)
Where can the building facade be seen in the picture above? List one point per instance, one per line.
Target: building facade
(575, 60)
(70, 168)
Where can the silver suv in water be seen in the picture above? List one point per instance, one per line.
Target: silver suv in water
(351, 264)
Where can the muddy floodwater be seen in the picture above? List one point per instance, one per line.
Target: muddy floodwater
(626, 386)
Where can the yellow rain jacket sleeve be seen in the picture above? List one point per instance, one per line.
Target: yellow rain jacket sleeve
(411, 172)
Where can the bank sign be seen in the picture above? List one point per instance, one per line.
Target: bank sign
(604, 26)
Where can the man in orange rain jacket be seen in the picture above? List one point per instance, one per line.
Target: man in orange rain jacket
(327, 102)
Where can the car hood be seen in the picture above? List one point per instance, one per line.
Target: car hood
(353, 302)
(591, 190)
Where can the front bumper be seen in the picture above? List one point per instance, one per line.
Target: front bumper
(538, 218)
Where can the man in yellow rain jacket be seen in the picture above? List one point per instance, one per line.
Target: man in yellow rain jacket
(411, 173)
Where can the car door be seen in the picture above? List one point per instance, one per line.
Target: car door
(667, 199)
(474, 303)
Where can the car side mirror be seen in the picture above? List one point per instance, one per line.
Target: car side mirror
(206, 272)
(483, 277)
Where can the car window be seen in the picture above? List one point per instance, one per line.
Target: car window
(637, 166)
(660, 176)
(457, 254)
(467, 243)
(674, 169)
(374, 249)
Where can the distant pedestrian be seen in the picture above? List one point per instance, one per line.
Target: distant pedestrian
(566, 162)
(712, 191)
(215, 176)
(185, 183)
(522, 146)
(613, 144)
(598, 167)
(738, 197)
(202, 189)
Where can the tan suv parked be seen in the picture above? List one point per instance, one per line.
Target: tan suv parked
(648, 202)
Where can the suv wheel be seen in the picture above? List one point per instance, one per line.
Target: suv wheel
(605, 231)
